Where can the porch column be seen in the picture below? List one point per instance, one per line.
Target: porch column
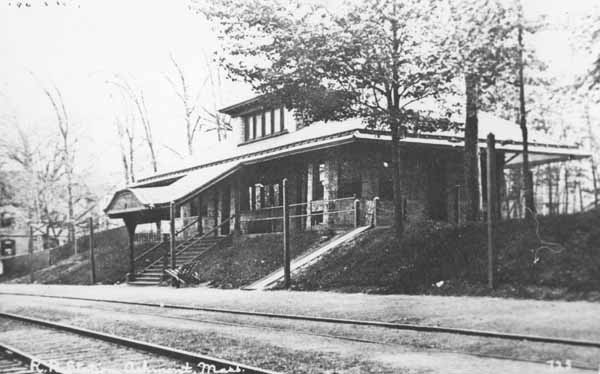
(330, 188)
(235, 202)
(130, 224)
(185, 212)
(220, 197)
(158, 230)
(211, 210)
(309, 194)
(200, 202)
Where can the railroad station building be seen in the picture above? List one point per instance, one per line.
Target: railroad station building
(328, 166)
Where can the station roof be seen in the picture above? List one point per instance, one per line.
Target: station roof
(188, 180)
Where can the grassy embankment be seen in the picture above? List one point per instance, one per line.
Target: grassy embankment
(440, 259)
(111, 259)
(251, 258)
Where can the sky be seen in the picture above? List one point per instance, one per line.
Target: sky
(80, 46)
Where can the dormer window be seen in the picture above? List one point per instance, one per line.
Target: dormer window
(263, 123)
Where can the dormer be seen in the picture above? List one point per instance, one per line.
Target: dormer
(255, 120)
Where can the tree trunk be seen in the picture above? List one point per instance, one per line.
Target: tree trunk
(580, 196)
(131, 155)
(550, 203)
(125, 167)
(70, 218)
(566, 211)
(527, 175)
(396, 181)
(595, 182)
(594, 149)
(153, 156)
(471, 161)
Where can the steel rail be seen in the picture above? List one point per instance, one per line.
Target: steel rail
(173, 353)
(34, 363)
(574, 365)
(341, 321)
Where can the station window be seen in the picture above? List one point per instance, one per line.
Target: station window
(263, 123)
(246, 127)
(254, 127)
(6, 219)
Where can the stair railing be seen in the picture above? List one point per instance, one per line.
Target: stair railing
(147, 253)
(195, 221)
(177, 273)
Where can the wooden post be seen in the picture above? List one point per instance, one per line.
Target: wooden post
(92, 260)
(375, 201)
(491, 205)
(172, 235)
(356, 215)
(580, 197)
(458, 212)
(165, 256)
(74, 229)
(286, 235)
(30, 250)
(309, 194)
(130, 223)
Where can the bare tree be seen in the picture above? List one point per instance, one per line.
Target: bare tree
(37, 182)
(136, 96)
(193, 117)
(126, 138)
(218, 122)
(67, 147)
(197, 116)
(20, 151)
(527, 175)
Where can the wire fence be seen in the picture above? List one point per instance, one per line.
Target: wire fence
(312, 215)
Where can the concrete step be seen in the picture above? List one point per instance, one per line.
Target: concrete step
(148, 276)
(190, 250)
(147, 279)
(143, 283)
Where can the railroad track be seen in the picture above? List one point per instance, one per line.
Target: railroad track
(340, 321)
(73, 350)
(14, 361)
(327, 320)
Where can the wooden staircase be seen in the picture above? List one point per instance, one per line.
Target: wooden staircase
(187, 251)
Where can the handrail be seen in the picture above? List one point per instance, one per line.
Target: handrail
(188, 226)
(143, 254)
(215, 228)
(321, 201)
(212, 231)
(173, 272)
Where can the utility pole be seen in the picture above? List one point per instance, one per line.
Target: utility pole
(491, 205)
(286, 235)
(30, 250)
(92, 259)
(172, 241)
(74, 236)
